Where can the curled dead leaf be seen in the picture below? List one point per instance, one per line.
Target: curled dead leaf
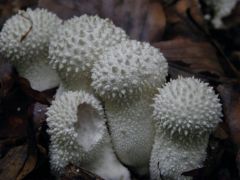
(74, 172)
(198, 56)
(28, 166)
(12, 163)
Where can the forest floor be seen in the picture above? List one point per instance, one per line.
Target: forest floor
(192, 46)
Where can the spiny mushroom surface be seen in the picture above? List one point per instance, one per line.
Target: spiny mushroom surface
(78, 135)
(129, 69)
(24, 40)
(186, 111)
(126, 77)
(187, 107)
(171, 157)
(78, 44)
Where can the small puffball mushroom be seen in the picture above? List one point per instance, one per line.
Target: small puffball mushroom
(78, 135)
(171, 157)
(78, 44)
(186, 111)
(221, 8)
(187, 107)
(24, 40)
(126, 77)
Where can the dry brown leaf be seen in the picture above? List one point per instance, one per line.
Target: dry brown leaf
(199, 56)
(17, 100)
(181, 18)
(28, 166)
(230, 95)
(74, 172)
(12, 163)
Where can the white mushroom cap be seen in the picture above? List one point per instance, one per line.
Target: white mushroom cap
(24, 40)
(78, 44)
(187, 107)
(130, 67)
(25, 36)
(76, 129)
(170, 157)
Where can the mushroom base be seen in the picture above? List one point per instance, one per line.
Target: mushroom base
(170, 158)
(40, 75)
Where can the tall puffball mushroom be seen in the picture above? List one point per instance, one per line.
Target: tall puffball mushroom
(186, 111)
(24, 40)
(126, 77)
(78, 135)
(78, 44)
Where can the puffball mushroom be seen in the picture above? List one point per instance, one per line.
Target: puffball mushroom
(221, 8)
(129, 69)
(78, 135)
(126, 77)
(171, 157)
(24, 40)
(187, 107)
(78, 44)
(186, 111)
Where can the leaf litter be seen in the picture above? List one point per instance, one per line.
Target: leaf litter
(192, 48)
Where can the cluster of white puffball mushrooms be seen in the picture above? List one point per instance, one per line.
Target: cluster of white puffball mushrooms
(153, 128)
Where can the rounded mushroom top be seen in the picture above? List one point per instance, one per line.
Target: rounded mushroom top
(129, 69)
(187, 107)
(80, 42)
(25, 36)
(76, 127)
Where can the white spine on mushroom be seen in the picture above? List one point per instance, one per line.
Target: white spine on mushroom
(126, 77)
(221, 8)
(186, 111)
(24, 40)
(78, 135)
(78, 44)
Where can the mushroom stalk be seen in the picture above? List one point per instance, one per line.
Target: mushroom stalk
(171, 157)
(126, 77)
(132, 132)
(40, 75)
